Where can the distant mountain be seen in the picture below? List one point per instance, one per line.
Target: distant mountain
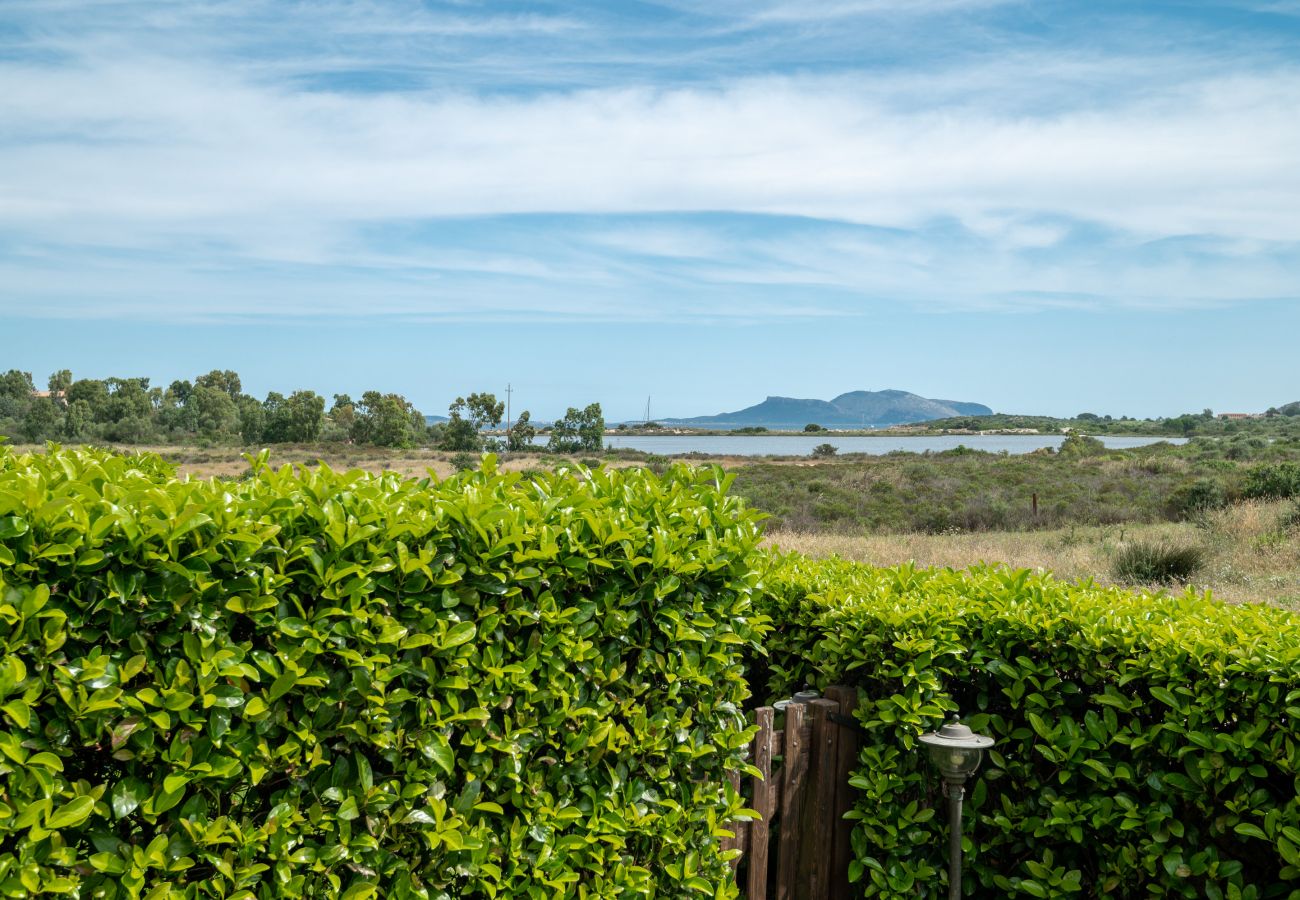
(856, 409)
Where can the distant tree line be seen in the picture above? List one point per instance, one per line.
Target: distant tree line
(214, 409)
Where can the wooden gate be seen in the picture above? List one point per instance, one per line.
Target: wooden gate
(799, 847)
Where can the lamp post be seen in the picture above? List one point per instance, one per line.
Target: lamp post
(801, 697)
(957, 752)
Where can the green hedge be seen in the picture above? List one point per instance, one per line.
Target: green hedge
(1147, 745)
(321, 684)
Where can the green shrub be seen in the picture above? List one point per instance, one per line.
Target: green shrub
(1145, 744)
(1193, 497)
(313, 684)
(464, 462)
(1273, 481)
(824, 451)
(1076, 444)
(1157, 562)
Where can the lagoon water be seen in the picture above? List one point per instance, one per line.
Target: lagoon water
(802, 445)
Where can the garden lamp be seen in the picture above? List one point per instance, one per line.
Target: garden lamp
(800, 697)
(957, 752)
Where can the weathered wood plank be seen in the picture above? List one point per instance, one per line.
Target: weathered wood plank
(817, 821)
(846, 759)
(764, 803)
(794, 772)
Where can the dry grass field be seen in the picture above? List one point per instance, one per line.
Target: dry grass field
(226, 462)
(1251, 550)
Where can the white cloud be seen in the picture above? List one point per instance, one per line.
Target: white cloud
(152, 142)
(786, 11)
(163, 156)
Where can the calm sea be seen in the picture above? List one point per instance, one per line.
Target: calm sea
(802, 445)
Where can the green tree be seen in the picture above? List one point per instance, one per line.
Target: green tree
(521, 434)
(459, 434)
(78, 421)
(59, 382)
(128, 398)
(306, 412)
(15, 383)
(1185, 424)
(812, 427)
(172, 413)
(272, 410)
(252, 419)
(42, 419)
(578, 431)
(130, 430)
(467, 418)
(215, 413)
(485, 410)
(95, 393)
(223, 380)
(16, 389)
(387, 420)
(342, 419)
(297, 419)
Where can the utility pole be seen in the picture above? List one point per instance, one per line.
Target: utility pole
(509, 421)
(647, 409)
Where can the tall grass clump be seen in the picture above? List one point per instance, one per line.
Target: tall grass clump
(1157, 562)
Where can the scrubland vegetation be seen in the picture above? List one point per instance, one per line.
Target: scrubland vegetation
(1245, 553)
(968, 490)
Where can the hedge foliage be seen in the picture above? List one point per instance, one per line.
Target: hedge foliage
(1147, 745)
(310, 684)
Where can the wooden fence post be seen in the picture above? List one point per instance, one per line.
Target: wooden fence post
(846, 759)
(817, 821)
(764, 803)
(794, 773)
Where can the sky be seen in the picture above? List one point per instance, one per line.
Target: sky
(1047, 207)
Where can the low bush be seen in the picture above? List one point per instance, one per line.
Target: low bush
(1195, 497)
(464, 462)
(1273, 481)
(1145, 744)
(1157, 562)
(1078, 445)
(313, 684)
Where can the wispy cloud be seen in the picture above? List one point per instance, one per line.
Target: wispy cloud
(210, 178)
(786, 11)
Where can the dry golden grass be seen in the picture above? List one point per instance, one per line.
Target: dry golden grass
(1249, 557)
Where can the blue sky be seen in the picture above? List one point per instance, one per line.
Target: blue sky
(1042, 206)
